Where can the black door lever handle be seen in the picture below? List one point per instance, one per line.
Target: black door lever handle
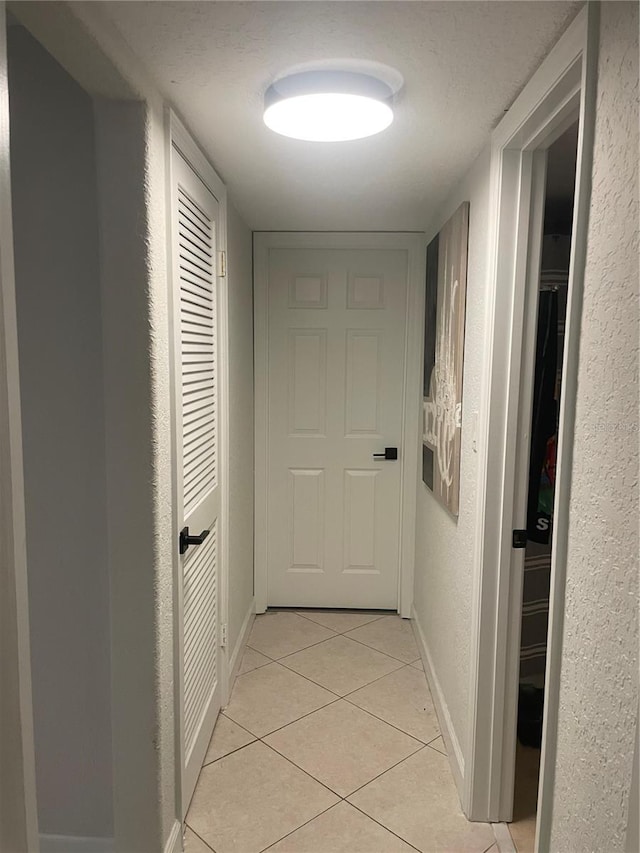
(389, 453)
(186, 539)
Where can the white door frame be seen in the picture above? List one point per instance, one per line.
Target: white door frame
(562, 90)
(414, 245)
(18, 781)
(178, 137)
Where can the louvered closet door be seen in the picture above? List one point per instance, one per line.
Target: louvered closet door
(195, 219)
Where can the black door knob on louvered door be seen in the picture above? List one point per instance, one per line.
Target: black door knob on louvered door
(187, 539)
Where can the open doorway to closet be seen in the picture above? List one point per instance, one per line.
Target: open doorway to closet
(55, 218)
(551, 312)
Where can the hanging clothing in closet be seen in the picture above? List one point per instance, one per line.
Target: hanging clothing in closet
(544, 422)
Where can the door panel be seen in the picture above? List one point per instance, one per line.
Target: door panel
(306, 520)
(195, 299)
(307, 381)
(336, 372)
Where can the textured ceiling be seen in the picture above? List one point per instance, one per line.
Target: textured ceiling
(463, 64)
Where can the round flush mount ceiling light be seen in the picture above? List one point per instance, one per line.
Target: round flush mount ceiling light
(328, 106)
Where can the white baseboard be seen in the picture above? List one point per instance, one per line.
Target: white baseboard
(456, 759)
(243, 636)
(75, 844)
(174, 842)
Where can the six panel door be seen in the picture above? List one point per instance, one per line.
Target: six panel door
(336, 367)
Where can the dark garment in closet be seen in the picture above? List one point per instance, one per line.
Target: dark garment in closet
(543, 421)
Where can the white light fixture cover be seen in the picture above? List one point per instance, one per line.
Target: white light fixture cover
(328, 106)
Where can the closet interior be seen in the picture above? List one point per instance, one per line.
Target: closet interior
(552, 307)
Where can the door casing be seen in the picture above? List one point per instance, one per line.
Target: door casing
(561, 91)
(18, 781)
(414, 245)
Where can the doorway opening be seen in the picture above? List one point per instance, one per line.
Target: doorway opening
(551, 309)
(55, 219)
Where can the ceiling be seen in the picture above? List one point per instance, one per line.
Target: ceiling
(463, 64)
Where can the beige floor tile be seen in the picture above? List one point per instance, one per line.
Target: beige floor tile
(401, 698)
(523, 834)
(271, 697)
(280, 634)
(340, 622)
(341, 665)
(418, 801)
(252, 798)
(439, 744)
(342, 829)
(227, 737)
(391, 635)
(193, 844)
(342, 746)
(418, 664)
(251, 659)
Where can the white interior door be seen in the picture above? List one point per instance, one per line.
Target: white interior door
(196, 322)
(336, 330)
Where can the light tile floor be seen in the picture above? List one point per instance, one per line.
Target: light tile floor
(330, 744)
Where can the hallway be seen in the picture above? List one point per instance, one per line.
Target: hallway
(330, 743)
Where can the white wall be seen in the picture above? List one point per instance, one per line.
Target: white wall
(61, 371)
(241, 440)
(599, 687)
(445, 545)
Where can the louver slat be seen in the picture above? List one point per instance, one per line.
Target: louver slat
(198, 346)
(200, 628)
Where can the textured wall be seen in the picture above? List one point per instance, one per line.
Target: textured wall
(132, 152)
(599, 688)
(240, 283)
(61, 369)
(444, 548)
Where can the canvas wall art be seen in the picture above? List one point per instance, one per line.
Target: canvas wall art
(443, 358)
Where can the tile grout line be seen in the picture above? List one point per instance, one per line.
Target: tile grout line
(306, 823)
(303, 649)
(317, 683)
(227, 717)
(206, 843)
(306, 772)
(326, 639)
(375, 820)
(391, 725)
(260, 665)
(362, 686)
(222, 714)
(373, 648)
(279, 729)
(231, 752)
(306, 677)
(341, 633)
(324, 784)
(406, 758)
